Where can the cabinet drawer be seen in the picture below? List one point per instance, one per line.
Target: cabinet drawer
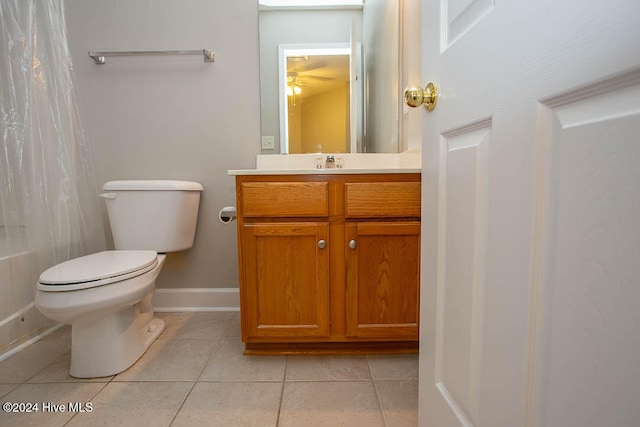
(285, 199)
(382, 199)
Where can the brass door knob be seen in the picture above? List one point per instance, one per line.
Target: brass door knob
(415, 96)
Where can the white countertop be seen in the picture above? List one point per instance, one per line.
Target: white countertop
(304, 164)
(333, 171)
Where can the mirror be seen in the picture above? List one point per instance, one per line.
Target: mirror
(315, 99)
(329, 78)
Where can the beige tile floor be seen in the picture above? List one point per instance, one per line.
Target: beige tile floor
(195, 375)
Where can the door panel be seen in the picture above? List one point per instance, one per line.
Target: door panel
(382, 280)
(461, 16)
(587, 258)
(287, 280)
(462, 258)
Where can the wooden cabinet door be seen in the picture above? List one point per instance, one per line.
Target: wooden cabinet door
(286, 280)
(383, 276)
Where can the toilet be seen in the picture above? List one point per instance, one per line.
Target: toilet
(106, 296)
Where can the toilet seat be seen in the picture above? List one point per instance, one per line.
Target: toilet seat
(97, 269)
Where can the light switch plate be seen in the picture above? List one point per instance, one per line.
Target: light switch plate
(268, 143)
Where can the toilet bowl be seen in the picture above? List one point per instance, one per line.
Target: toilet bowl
(106, 296)
(109, 328)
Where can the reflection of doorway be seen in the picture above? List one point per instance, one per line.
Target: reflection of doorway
(315, 99)
(318, 103)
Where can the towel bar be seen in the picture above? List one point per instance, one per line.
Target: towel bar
(100, 57)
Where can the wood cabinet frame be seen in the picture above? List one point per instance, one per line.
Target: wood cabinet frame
(323, 314)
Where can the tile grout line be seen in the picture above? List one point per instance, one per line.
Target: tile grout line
(284, 380)
(26, 381)
(375, 390)
(104, 385)
(215, 349)
(193, 385)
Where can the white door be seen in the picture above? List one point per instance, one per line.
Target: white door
(531, 215)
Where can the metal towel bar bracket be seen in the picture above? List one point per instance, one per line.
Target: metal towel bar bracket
(100, 57)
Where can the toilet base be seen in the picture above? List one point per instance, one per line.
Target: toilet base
(109, 345)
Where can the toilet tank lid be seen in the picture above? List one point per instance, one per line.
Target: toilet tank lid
(152, 185)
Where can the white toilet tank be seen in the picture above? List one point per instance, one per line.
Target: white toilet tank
(153, 214)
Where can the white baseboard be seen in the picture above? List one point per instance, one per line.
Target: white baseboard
(196, 299)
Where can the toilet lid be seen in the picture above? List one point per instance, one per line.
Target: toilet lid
(97, 269)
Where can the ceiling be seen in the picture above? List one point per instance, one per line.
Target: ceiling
(318, 73)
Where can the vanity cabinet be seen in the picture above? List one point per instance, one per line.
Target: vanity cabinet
(329, 262)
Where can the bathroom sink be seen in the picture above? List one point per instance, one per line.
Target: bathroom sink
(340, 161)
(344, 163)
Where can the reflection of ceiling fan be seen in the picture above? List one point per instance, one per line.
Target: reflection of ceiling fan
(296, 81)
(293, 84)
(303, 79)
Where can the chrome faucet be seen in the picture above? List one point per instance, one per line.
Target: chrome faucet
(330, 162)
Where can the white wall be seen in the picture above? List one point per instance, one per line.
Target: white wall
(173, 117)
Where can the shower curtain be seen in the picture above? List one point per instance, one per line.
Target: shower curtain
(49, 205)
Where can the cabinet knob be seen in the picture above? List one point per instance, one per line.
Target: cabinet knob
(353, 244)
(322, 244)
